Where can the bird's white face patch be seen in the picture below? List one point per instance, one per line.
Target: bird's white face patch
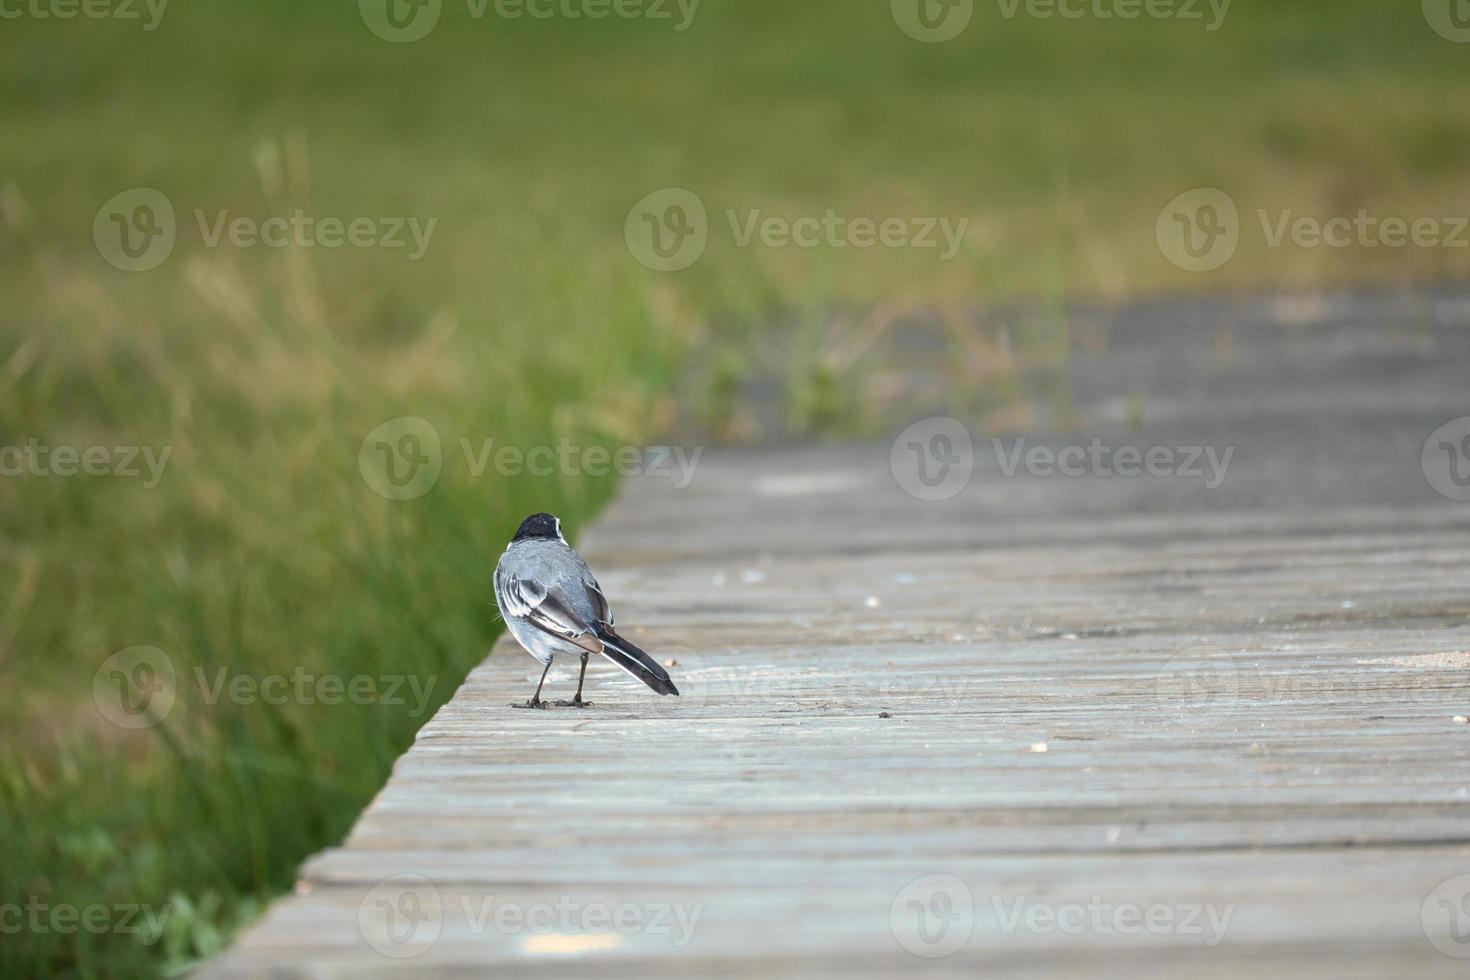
(558, 529)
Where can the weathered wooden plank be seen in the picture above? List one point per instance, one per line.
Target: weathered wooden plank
(773, 914)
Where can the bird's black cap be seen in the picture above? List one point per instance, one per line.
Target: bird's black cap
(538, 526)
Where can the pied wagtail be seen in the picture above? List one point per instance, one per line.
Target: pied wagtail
(554, 607)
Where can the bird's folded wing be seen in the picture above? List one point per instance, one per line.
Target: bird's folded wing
(599, 602)
(547, 610)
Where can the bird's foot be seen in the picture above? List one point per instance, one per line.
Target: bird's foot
(532, 703)
(574, 703)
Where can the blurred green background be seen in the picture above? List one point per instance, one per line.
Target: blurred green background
(264, 550)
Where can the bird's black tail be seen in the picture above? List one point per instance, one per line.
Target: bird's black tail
(635, 661)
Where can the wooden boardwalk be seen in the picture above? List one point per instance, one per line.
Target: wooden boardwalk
(1052, 726)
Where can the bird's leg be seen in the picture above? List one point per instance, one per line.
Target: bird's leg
(577, 701)
(536, 701)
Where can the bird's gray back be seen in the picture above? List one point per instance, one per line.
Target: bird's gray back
(555, 565)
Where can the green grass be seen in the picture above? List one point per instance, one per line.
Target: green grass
(263, 549)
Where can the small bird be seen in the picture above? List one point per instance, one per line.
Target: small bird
(554, 606)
